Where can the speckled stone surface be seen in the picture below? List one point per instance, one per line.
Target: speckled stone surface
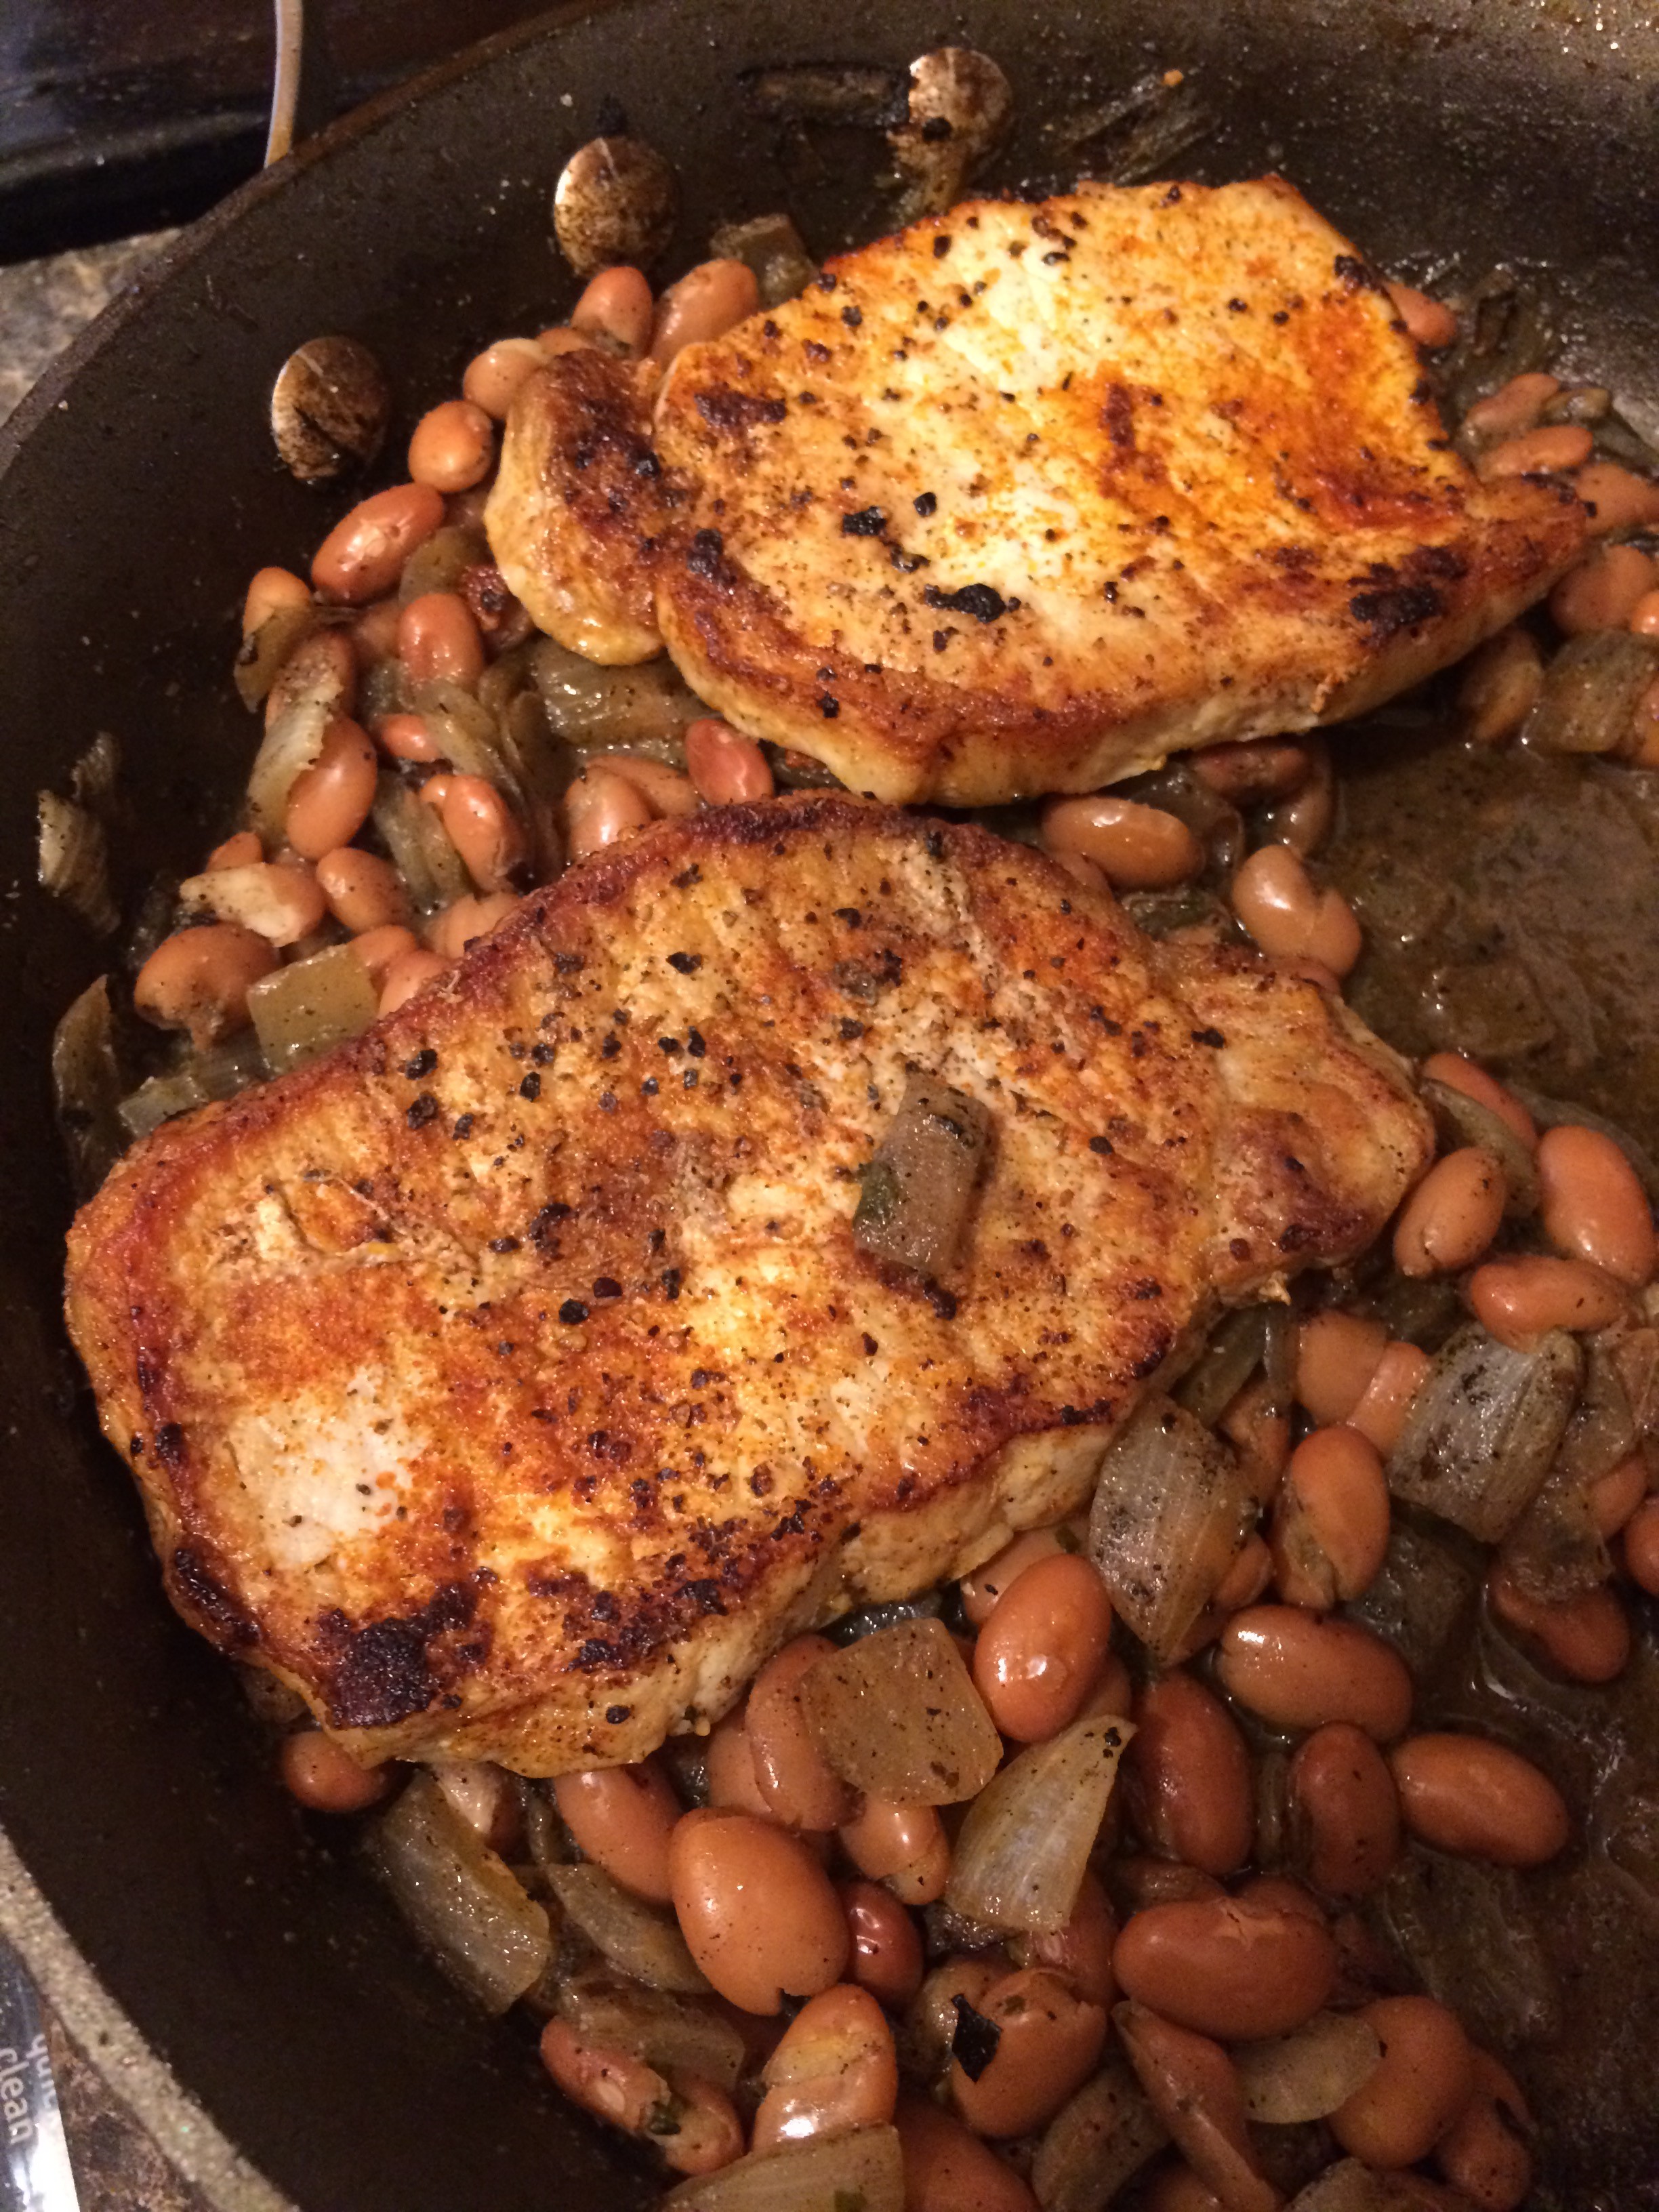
(45, 304)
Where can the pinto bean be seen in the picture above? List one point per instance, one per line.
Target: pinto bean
(270, 592)
(1137, 847)
(1042, 1650)
(1252, 769)
(1336, 1356)
(1484, 2151)
(1048, 2042)
(243, 850)
(930, 2024)
(1289, 916)
(1500, 686)
(484, 830)
(466, 921)
(616, 2086)
(1257, 1423)
(1521, 1299)
(1330, 1524)
(1247, 1578)
(378, 948)
(1617, 1495)
(1345, 1810)
(1619, 500)
(453, 447)
(437, 638)
(947, 2169)
(834, 2068)
(756, 1908)
(1478, 1799)
(1515, 406)
(903, 1846)
(330, 802)
(1453, 1215)
(1226, 1966)
(1299, 1670)
(1641, 1546)
(363, 891)
(1424, 2082)
(493, 377)
(708, 301)
(198, 979)
(1176, 2188)
(790, 1772)
(326, 1778)
(1556, 449)
(1602, 591)
(1594, 1207)
(403, 976)
(600, 809)
(616, 310)
(1195, 2089)
(1398, 1376)
(886, 1957)
(1587, 1637)
(666, 791)
(624, 1818)
(363, 555)
(1082, 1949)
(1428, 322)
(407, 738)
(1189, 1776)
(982, 1589)
(725, 768)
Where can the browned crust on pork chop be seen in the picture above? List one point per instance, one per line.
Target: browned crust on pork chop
(510, 1382)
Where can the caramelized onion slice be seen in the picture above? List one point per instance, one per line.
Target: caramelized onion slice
(635, 1936)
(1308, 2073)
(1094, 2144)
(857, 2173)
(665, 2029)
(1171, 1508)
(897, 1715)
(1024, 1848)
(311, 1005)
(459, 1898)
(1591, 689)
(919, 1184)
(1483, 1428)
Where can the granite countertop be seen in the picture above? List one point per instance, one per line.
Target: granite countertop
(43, 306)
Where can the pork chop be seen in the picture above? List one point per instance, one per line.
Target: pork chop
(510, 1382)
(1028, 496)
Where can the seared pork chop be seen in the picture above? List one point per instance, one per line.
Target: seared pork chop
(510, 1381)
(1026, 497)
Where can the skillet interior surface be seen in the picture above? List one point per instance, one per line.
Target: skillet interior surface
(138, 490)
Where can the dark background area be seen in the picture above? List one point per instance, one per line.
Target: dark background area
(120, 116)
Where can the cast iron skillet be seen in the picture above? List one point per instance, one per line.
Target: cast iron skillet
(138, 492)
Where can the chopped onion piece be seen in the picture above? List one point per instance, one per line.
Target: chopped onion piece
(434, 873)
(1235, 1351)
(294, 738)
(772, 247)
(645, 709)
(311, 1005)
(260, 656)
(1023, 1850)
(87, 1082)
(919, 1185)
(1483, 1429)
(459, 1898)
(1591, 691)
(1171, 1509)
(896, 1715)
(438, 562)
(663, 2029)
(1095, 2144)
(1308, 2073)
(858, 2173)
(72, 855)
(635, 1936)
